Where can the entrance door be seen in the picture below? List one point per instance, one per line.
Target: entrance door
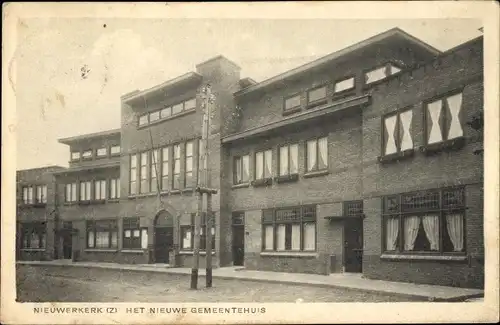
(67, 240)
(238, 245)
(353, 244)
(164, 239)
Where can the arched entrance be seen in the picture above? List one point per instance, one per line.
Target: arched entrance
(163, 236)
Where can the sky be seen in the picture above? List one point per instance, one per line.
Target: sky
(53, 101)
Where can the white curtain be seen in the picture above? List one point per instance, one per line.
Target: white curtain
(311, 155)
(238, 171)
(259, 165)
(431, 227)
(35, 240)
(90, 239)
(390, 127)
(144, 239)
(73, 192)
(102, 239)
(246, 168)
(42, 241)
(68, 193)
(268, 233)
(406, 140)
(296, 237)
(294, 157)
(411, 226)
(392, 230)
(455, 227)
(323, 153)
(455, 104)
(114, 239)
(186, 240)
(435, 129)
(284, 161)
(280, 237)
(268, 155)
(309, 236)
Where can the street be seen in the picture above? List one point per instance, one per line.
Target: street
(69, 284)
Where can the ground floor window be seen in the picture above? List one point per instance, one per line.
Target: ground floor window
(429, 221)
(187, 234)
(33, 235)
(132, 233)
(289, 229)
(102, 234)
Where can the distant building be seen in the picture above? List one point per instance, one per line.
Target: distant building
(361, 161)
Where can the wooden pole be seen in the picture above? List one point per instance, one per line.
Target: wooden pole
(209, 216)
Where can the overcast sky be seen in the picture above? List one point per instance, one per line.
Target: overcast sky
(54, 101)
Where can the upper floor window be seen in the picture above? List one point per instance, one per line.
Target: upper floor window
(41, 194)
(87, 154)
(288, 159)
(154, 116)
(75, 155)
(101, 152)
(344, 85)
(177, 167)
(188, 180)
(100, 190)
(154, 170)
(177, 108)
(143, 119)
(443, 119)
(380, 73)
(241, 171)
(28, 195)
(316, 96)
(133, 174)
(143, 173)
(292, 103)
(190, 104)
(70, 192)
(426, 221)
(166, 112)
(263, 164)
(85, 190)
(114, 188)
(317, 154)
(164, 168)
(115, 150)
(396, 135)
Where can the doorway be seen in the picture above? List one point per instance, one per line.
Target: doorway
(238, 245)
(353, 244)
(163, 237)
(67, 240)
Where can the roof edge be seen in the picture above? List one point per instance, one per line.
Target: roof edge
(75, 138)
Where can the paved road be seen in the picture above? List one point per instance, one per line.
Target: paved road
(65, 284)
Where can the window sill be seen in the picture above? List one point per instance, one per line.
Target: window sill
(100, 250)
(287, 178)
(290, 111)
(262, 182)
(132, 251)
(171, 117)
(103, 201)
(192, 253)
(317, 173)
(70, 203)
(242, 185)
(397, 156)
(33, 205)
(113, 201)
(289, 254)
(403, 257)
(83, 202)
(448, 145)
(316, 103)
(344, 93)
(33, 249)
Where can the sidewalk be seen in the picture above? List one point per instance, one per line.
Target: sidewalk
(343, 281)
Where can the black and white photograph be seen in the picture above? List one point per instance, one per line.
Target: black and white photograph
(215, 166)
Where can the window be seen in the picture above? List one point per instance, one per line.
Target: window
(154, 170)
(380, 73)
(102, 234)
(33, 235)
(41, 194)
(164, 168)
(114, 188)
(188, 180)
(28, 195)
(176, 109)
(288, 158)
(100, 190)
(443, 119)
(154, 116)
(190, 104)
(263, 164)
(143, 173)
(87, 154)
(133, 174)
(292, 102)
(166, 112)
(186, 237)
(290, 229)
(143, 120)
(317, 154)
(70, 191)
(241, 169)
(187, 234)
(344, 85)
(115, 150)
(177, 167)
(85, 188)
(425, 222)
(396, 135)
(101, 152)
(75, 155)
(132, 233)
(316, 95)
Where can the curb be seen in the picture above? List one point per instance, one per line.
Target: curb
(460, 298)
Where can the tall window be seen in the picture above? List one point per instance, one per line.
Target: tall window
(241, 169)
(317, 154)
(177, 167)
(290, 229)
(154, 170)
(102, 234)
(131, 233)
(443, 119)
(316, 96)
(115, 150)
(28, 195)
(143, 173)
(164, 168)
(188, 180)
(263, 164)
(187, 234)
(397, 132)
(133, 174)
(425, 222)
(70, 191)
(33, 235)
(100, 190)
(292, 103)
(85, 190)
(288, 158)
(114, 188)
(41, 194)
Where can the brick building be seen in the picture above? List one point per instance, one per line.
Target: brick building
(361, 161)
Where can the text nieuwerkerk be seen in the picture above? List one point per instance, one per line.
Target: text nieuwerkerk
(149, 310)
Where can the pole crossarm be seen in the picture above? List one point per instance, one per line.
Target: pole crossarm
(206, 190)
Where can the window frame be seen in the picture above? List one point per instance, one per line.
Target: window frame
(97, 155)
(144, 186)
(86, 198)
(387, 65)
(176, 160)
(398, 154)
(115, 153)
(93, 226)
(30, 194)
(101, 192)
(146, 115)
(306, 161)
(264, 177)
(133, 171)
(116, 195)
(88, 157)
(347, 90)
(186, 171)
(73, 186)
(154, 171)
(39, 228)
(288, 174)
(165, 172)
(238, 160)
(203, 228)
(294, 108)
(317, 102)
(132, 242)
(75, 153)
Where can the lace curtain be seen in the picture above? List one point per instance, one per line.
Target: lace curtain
(431, 227)
(411, 225)
(392, 230)
(455, 227)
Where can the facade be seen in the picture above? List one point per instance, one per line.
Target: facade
(361, 161)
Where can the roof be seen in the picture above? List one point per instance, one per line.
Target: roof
(87, 168)
(100, 134)
(392, 33)
(49, 167)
